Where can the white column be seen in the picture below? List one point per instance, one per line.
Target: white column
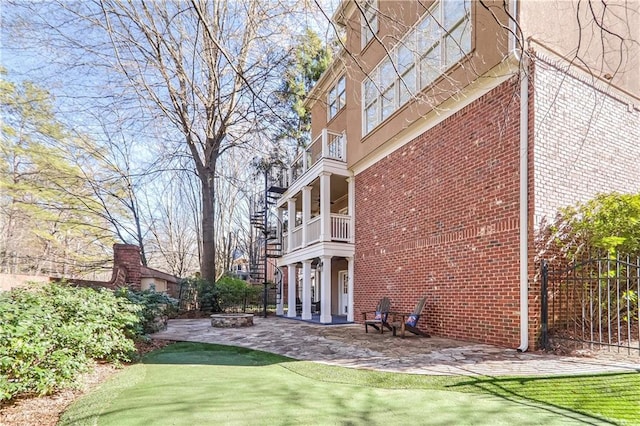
(280, 301)
(291, 290)
(325, 291)
(306, 213)
(351, 184)
(291, 207)
(325, 206)
(350, 295)
(306, 289)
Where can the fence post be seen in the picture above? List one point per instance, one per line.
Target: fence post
(544, 305)
(244, 301)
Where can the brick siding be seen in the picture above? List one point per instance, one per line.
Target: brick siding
(587, 141)
(127, 257)
(439, 217)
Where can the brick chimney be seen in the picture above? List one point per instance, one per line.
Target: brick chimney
(126, 257)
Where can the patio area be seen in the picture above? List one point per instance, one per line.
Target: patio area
(349, 346)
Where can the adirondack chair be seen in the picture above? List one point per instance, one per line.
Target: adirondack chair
(378, 318)
(408, 322)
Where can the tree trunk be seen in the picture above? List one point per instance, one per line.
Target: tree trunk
(208, 261)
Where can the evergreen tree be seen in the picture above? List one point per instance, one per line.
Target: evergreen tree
(310, 59)
(48, 214)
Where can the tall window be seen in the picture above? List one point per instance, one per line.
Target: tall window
(369, 21)
(337, 97)
(371, 101)
(440, 39)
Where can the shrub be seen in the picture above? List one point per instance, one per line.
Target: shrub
(50, 333)
(227, 293)
(231, 292)
(207, 297)
(154, 309)
(603, 227)
(608, 223)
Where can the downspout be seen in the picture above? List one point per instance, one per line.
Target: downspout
(524, 182)
(524, 211)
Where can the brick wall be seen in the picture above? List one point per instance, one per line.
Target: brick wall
(439, 217)
(11, 281)
(587, 141)
(127, 256)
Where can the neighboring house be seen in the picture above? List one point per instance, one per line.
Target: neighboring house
(440, 146)
(158, 281)
(240, 268)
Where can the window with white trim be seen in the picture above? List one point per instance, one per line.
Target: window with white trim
(337, 97)
(369, 21)
(440, 39)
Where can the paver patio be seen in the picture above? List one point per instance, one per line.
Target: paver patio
(349, 346)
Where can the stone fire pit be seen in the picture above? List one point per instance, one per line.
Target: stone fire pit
(231, 320)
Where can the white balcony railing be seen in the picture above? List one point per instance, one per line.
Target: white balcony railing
(340, 231)
(313, 230)
(297, 238)
(340, 227)
(327, 144)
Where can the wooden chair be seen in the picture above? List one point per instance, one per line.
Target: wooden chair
(408, 322)
(378, 318)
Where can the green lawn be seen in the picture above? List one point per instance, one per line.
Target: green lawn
(193, 384)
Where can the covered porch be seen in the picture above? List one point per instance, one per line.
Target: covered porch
(319, 288)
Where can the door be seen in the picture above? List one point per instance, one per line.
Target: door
(343, 292)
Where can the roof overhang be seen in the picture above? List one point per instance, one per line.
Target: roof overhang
(344, 10)
(146, 272)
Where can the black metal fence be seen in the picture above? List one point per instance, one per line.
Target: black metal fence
(594, 302)
(250, 301)
(255, 302)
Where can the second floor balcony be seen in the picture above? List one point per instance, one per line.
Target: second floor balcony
(340, 231)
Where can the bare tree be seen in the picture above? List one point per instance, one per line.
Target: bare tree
(119, 178)
(203, 65)
(203, 70)
(173, 245)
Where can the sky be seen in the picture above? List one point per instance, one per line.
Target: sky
(80, 93)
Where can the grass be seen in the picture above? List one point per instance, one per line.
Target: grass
(614, 397)
(193, 383)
